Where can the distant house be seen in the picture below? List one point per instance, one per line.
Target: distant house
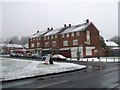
(81, 40)
(6, 48)
(113, 48)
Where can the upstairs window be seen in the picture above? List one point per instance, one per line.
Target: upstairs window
(75, 42)
(63, 35)
(88, 37)
(39, 38)
(67, 34)
(55, 35)
(32, 45)
(46, 44)
(65, 43)
(72, 34)
(33, 39)
(36, 38)
(30, 39)
(77, 33)
(45, 38)
(52, 37)
(48, 37)
(54, 43)
(38, 44)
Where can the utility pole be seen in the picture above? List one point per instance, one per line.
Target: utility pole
(78, 53)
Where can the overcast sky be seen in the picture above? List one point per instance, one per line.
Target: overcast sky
(25, 18)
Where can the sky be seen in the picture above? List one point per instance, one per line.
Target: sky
(26, 17)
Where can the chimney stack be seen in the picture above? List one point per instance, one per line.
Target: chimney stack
(51, 28)
(38, 31)
(87, 20)
(69, 25)
(65, 25)
(48, 29)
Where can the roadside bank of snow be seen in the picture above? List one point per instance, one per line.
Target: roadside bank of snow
(102, 59)
(17, 68)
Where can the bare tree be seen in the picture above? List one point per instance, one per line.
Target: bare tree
(15, 40)
(23, 40)
(116, 39)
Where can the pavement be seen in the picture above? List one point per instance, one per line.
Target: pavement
(16, 69)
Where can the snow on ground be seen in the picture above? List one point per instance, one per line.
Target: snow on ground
(102, 59)
(20, 68)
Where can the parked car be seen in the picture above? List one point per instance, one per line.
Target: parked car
(36, 56)
(58, 57)
(27, 55)
(16, 55)
(13, 55)
(45, 56)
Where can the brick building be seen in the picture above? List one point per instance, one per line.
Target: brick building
(74, 41)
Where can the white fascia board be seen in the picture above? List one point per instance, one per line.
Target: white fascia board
(46, 49)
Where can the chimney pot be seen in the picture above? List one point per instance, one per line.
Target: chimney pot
(51, 28)
(65, 25)
(37, 31)
(69, 25)
(48, 28)
(87, 20)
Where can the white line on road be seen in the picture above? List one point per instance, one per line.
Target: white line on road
(53, 84)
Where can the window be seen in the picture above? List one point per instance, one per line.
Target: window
(38, 44)
(77, 33)
(55, 35)
(36, 38)
(72, 34)
(44, 38)
(39, 38)
(46, 44)
(67, 34)
(63, 35)
(65, 43)
(88, 37)
(30, 39)
(51, 36)
(54, 43)
(48, 37)
(75, 42)
(32, 44)
(88, 51)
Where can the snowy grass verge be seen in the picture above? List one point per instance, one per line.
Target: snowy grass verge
(17, 68)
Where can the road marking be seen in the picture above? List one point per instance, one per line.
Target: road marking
(53, 84)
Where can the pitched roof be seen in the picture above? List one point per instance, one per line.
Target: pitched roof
(111, 44)
(38, 34)
(75, 28)
(54, 31)
(62, 30)
(11, 45)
